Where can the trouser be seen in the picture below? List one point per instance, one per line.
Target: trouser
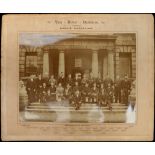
(108, 102)
(94, 98)
(43, 98)
(101, 101)
(125, 95)
(86, 98)
(31, 96)
(117, 96)
(77, 105)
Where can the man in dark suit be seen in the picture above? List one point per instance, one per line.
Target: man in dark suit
(62, 79)
(69, 80)
(39, 84)
(108, 81)
(44, 90)
(101, 95)
(76, 100)
(117, 89)
(109, 96)
(94, 93)
(31, 89)
(52, 90)
(86, 92)
(126, 85)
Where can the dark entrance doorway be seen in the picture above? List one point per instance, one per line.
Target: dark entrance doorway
(53, 62)
(78, 61)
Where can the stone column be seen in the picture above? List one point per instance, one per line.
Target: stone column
(95, 64)
(45, 64)
(61, 62)
(111, 64)
(117, 63)
(105, 66)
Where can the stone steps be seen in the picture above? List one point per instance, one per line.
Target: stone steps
(84, 107)
(80, 110)
(63, 112)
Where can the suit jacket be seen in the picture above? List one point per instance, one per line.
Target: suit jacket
(31, 85)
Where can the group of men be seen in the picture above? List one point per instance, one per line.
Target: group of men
(79, 90)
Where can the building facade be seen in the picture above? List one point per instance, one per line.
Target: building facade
(102, 55)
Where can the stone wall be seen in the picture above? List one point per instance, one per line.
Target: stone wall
(125, 43)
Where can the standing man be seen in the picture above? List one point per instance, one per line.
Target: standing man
(91, 79)
(52, 89)
(39, 84)
(76, 100)
(59, 92)
(86, 92)
(69, 80)
(109, 96)
(44, 90)
(117, 89)
(94, 93)
(125, 90)
(76, 87)
(108, 81)
(31, 89)
(77, 79)
(52, 80)
(68, 92)
(62, 79)
(101, 101)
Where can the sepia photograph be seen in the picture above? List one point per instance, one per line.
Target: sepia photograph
(77, 77)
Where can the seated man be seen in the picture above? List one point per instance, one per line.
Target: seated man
(68, 92)
(48, 96)
(76, 100)
(59, 92)
(101, 95)
(86, 92)
(94, 93)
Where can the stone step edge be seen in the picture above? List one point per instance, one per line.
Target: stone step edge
(73, 110)
(86, 104)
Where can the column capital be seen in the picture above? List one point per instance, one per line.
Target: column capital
(111, 51)
(95, 50)
(61, 51)
(45, 51)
